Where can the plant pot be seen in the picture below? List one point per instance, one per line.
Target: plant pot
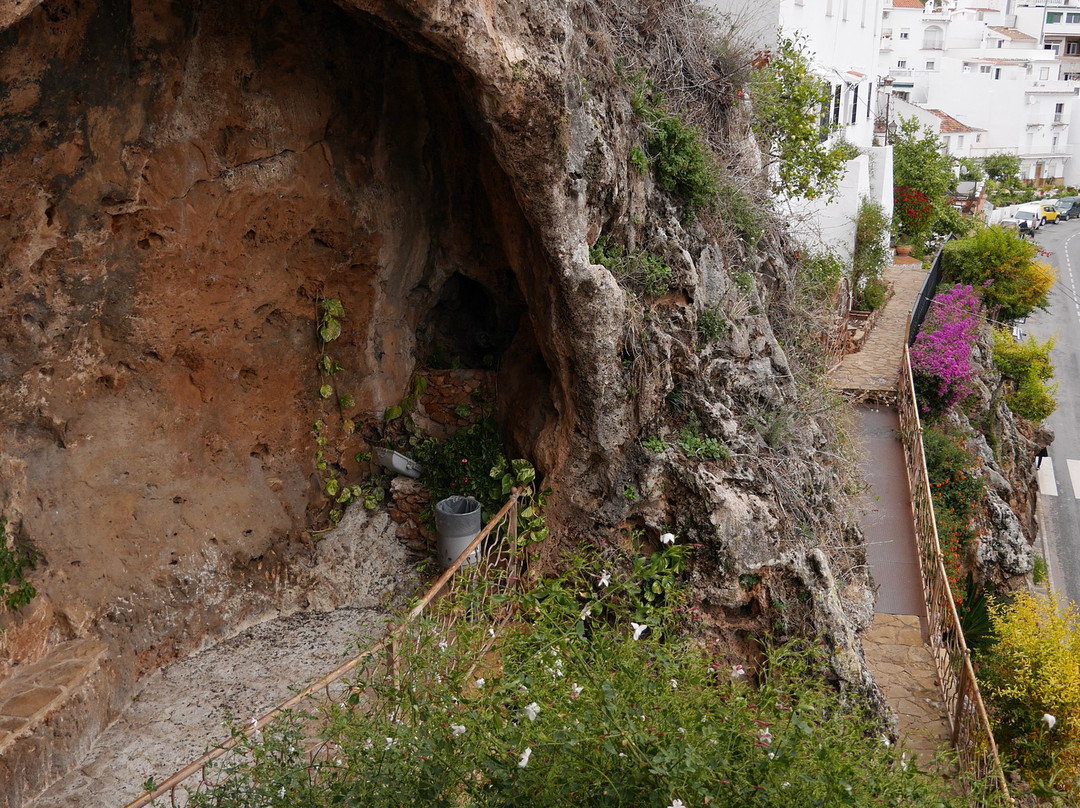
(457, 523)
(398, 463)
(903, 249)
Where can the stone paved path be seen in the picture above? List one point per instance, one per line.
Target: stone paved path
(874, 369)
(901, 663)
(904, 670)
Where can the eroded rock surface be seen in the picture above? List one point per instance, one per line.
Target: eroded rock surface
(185, 183)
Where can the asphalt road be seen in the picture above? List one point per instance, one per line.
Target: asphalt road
(1059, 475)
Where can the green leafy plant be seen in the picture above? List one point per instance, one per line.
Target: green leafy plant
(629, 493)
(579, 703)
(682, 163)
(711, 324)
(1003, 267)
(655, 443)
(1027, 368)
(870, 256)
(1041, 572)
(1031, 670)
(643, 271)
(704, 447)
(639, 160)
(15, 561)
(788, 100)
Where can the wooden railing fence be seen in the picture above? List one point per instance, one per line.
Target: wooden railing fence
(972, 735)
(492, 564)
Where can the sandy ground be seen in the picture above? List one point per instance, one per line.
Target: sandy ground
(180, 709)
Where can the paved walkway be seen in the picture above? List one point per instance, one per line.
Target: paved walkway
(894, 646)
(874, 369)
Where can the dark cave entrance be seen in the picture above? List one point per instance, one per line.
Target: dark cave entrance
(466, 328)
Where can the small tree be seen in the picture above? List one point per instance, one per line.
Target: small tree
(971, 170)
(1002, 167)
(1026, 367)
(788, 99)
(1003, 265)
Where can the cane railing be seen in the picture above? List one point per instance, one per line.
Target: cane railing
(492, 564)
(972, 735)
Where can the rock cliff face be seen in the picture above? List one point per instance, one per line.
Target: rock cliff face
(185, 182)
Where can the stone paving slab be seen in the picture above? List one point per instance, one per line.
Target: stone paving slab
(876, 367)
(904, 670)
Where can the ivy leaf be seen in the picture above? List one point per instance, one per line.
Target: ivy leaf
(332, 487)
(332, 306)
(392, 413)
(347, 401)
(330, 330)
(326, 391)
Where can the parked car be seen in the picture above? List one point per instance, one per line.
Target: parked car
(1036, 211)
(1067, 210)
(1025, 221)
(1049, 211)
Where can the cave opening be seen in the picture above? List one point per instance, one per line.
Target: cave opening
(466, 328)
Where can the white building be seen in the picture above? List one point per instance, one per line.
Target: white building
(970, 61)
(843, 36)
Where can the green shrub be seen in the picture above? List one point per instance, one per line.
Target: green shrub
(870, 256)
(711, 324)
(638, 160)
(1026, 366)
(592, 698)
(1032, 669)
(655, 444)
(15, 590)
(682, 163)
(641, 270)
(704, 447)
(873, 295)
(1003, 267)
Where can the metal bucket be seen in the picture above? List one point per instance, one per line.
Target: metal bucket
(457, 523)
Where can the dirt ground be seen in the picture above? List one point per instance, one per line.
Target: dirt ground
(181, 708)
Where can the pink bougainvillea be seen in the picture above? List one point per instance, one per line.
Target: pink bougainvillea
(941, 355)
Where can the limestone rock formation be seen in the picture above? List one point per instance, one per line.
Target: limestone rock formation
(185, 183)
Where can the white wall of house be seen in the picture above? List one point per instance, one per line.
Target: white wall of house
(984, 63)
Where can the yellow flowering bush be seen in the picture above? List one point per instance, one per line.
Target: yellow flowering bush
(1030, 678)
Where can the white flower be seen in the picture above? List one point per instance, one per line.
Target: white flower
(442, 645)
(668, 538)
(772, 755)
(480, 683)
(885, 741)
(586, 612)
(389, 742)
(524, 761)
(605, 577)
(903, 761)
(765, 736)
(281, 793)
(676, 804)
(1049, 720)
(575, 691)
(639, 629)
(532, 710)
(674, 684)
(737, 671)
(338, 762)
(457, 729)
(368, 744)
